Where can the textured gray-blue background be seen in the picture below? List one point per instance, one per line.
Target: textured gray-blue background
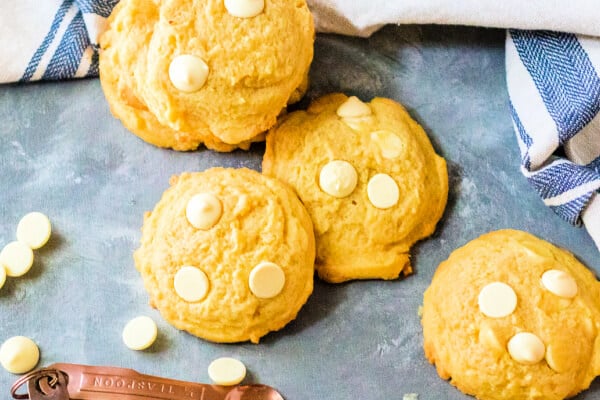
(62, 153)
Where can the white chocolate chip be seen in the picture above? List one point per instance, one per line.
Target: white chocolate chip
(390, 145)
(560, 283)
(358, 123)
(589, 327)
(19, 354)
(191, 284)
(226, 371)
(2, 275)
(188, 73)
(204, 210)
(338, 178)
(34, 230)
(383, 191)
(245, 8)
(410, 396)
(526, 348)
(17, 258)
(140, 333)
(560, 358)
(489, 338)
(353, 108)
(497, 300)
(266, 280)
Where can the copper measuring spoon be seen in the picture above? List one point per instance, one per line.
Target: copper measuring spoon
(64, 381)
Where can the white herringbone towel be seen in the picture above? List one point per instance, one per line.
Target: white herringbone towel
(50, 39)
(554, 86)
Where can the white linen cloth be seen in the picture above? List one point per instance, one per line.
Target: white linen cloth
(364, 17)
(553, 78)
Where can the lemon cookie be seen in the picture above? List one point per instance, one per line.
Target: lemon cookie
(510, 316)
(227, 254)
(181, 74)
(369, 178)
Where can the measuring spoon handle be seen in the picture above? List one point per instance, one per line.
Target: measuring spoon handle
(111, 383)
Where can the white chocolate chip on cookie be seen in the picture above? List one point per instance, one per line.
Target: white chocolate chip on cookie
(560, 283)
(383, 191)
(338, 178)
(245, 8)
(17, 258)
(266, 280)
(497, 300)
(191, 284)
(188, 73)
(353, 108)
(34, 230)
(526, 348)
(560, 358)
(355, 113)
(389, 144)
(204, 210)
(489, 338)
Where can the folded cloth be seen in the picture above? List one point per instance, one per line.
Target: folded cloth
(60, 40)
(362, 18)
(554, 86)
(553, 78)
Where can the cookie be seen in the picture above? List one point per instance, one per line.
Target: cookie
(511, 316)
(179, 74)
(370, 180)
(131, 19)
(227, 254)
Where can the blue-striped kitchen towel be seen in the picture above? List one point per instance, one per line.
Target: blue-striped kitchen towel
(554, 86)
(50, 39)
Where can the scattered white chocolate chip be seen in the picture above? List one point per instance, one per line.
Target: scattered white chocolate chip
(2, 275)
(383, 191)
(34, 230)
(17, 258)
(204, 210)
(353, 108)
(188, 73)
(226, 371)
(266, 280)
(497, 300)
(245, 8)
(390, 145)
(560, 283)
(140, 333)
(410, 396)
(526, 348)
(191, 284)
(19, 354)
(338, 178)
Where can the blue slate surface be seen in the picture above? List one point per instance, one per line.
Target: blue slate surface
(62, 153)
